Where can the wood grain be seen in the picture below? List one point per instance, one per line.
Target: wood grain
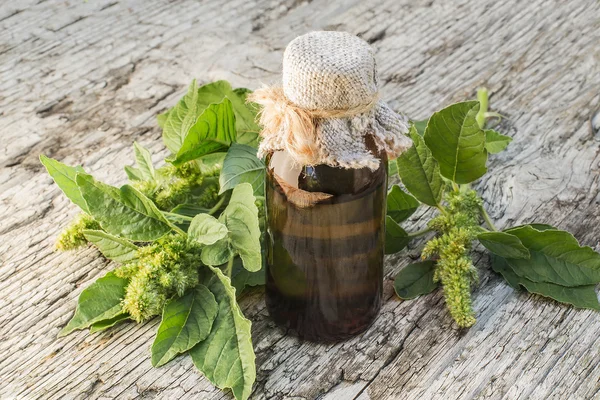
(80, 81)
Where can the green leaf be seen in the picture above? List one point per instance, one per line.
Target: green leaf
(108, 323)
(218, 253)
(241, 277)
(579, 296)
(211, 164)
(124, 212)
(539, 227)
(186, 321)
(100, 301)
(392, 168)
(500, 266)
(241, 165)
(206, 229)
(64, 177)
(178, 120)
(556, 257)
(245, 114)
(226, 356)
(400, 205)
(247, 128)
(495, 142)
(133, 173)
(214, 131)
(503, 244)
(420, 126)
(161, 119)
(457, 142)
(112, 247)
(243, 237)
(189, 210)
(415, 280)
(144, 162)
(396, 238)
(241, 219)
(420, 173)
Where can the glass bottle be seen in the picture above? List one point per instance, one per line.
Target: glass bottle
(326, 233)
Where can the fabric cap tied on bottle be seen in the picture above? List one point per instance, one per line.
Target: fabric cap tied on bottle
(328, 103)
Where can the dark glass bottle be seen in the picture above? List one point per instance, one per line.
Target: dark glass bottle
(326, 233)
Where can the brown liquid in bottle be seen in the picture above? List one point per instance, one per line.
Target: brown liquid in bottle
(325, 248)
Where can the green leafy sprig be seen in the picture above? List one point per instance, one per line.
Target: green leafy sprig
(187, 236)
(450, 151)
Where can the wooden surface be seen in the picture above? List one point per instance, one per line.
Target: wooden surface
(80, 81)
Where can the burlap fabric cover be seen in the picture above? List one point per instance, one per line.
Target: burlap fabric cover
(337, 71)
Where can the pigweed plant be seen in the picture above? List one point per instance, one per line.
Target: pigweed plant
(450, 151)
(186, 237)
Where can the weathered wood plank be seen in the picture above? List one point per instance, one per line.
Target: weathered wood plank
(80, 81)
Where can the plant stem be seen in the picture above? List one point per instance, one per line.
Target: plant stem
(229, 267)
(487, 219)
(482, 96)
(492, 114)
(442, 209)
(419, 233)
(180, 216)
(217, 206)
(179, 230)
(455, 187)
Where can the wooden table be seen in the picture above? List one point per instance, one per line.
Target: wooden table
(80, 81)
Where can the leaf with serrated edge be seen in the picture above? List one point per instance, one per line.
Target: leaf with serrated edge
(420, 173)
(186, 321)
(457, 142)
(226, 356)
(396, 238)
(64, 176)
(100, 301)
(241, 165)
(241, 219)
(112, 247)
(556, 257)
(400, 205)
(503, 244)
(213, 132)
(415, 280)
(206, 229)
(144, 162)
(108, 323)
(123, 212)
(496, 142)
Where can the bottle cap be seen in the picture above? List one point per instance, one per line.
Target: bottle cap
(328, 103)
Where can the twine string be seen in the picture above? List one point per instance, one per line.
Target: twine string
(296, 126)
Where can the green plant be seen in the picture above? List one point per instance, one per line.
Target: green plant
(450, 151)
(187, 236)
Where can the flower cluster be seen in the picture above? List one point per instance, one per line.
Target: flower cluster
(458, 226)
(186, 183)
(162, 270)
(72, 236)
